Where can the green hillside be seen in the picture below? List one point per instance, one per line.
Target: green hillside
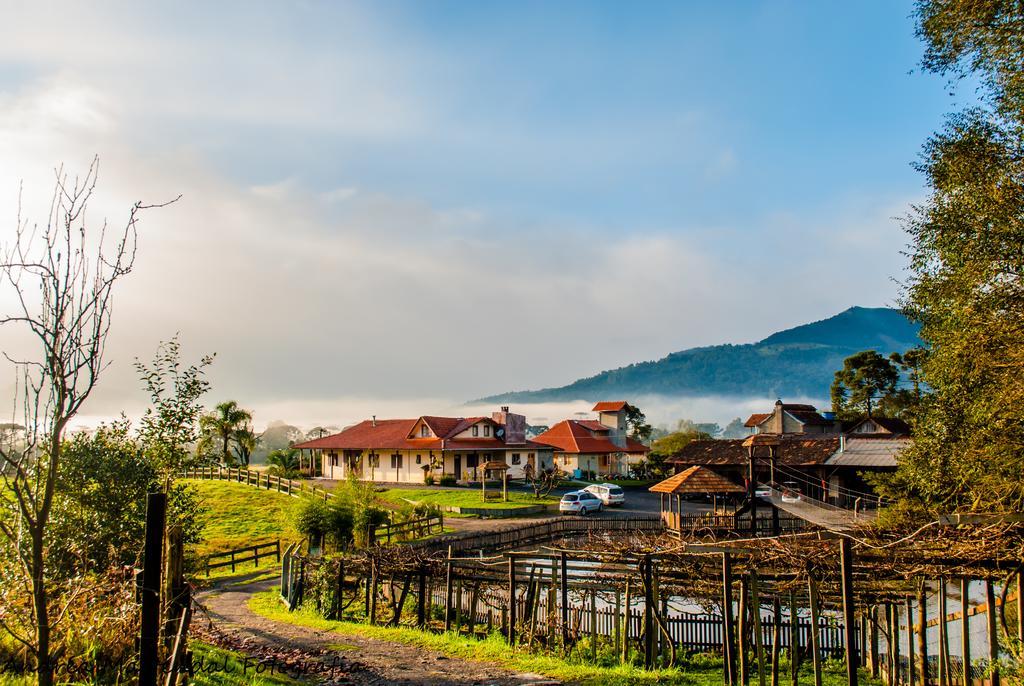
(795, 362)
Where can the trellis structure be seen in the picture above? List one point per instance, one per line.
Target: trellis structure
(849, 597)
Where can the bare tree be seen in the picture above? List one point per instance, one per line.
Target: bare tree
(62, 278)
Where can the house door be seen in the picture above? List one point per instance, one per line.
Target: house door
(458, 467)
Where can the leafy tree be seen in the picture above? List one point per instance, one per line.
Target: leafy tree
(966, 267)
(245, 441)
(674, 442)
(865, 377)
(170, 425)
(735, 429)
(636, 423)
(219, 429)
(712, 429)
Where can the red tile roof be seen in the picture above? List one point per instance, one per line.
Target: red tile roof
(756, 419)
(610, 406)
(696, 479)
(793, 450)
(572, 436)
(396, 434)
(593, 425)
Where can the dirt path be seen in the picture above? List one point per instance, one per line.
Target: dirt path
(356, 659)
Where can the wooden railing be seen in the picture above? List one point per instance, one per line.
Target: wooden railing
(249, 553)
(546, 530)
(252, 477)
(417, 528)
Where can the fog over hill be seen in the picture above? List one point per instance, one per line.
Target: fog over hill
(797, 362)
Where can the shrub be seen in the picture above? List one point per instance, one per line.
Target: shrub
(428, 479)
(313, 519)
(448, 480)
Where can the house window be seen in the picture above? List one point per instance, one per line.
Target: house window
(424, 431)
(476, 430)
(334, 459)
(487, 430)
(396, 461)
(515, 458)
(374, 460)
(565, 459)
(419, 459)
(471, 460)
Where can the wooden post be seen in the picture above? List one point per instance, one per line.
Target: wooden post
(564, 581)
(744, 632)
(373, 592)
(776, 638)
(891, 652)
(873, 627)
(152, 558)
(421, 600)
(911, 665)
(965, 638)
(448, 593)
(1020, 605)
(794, 639)
(625, 627)
(849, 609)
(812, 597)
(504, 485)
(728, 644)
(512, 599)
(922, 637)
(943, 636)
(618, 624)
(755, 608)
(650, 634)
(473, 597)
(593, 625)
(458, 606)
(993, 636)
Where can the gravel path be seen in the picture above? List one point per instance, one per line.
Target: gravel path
(357, 659)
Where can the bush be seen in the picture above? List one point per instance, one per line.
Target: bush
(428, 479)
(448, 480)
(313, 519)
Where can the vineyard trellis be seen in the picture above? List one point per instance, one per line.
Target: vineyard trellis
(647, 597)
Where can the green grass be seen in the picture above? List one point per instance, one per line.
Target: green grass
(699, 670)
(238, 515)
(463, 497)
(218, 667)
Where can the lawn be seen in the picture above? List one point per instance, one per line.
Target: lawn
(238, 515)
(700, 670)
(464, 497)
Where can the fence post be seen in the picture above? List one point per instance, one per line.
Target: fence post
(625, 624)
(755, 606)
(421, 600)
(743, 633)
(512, 599)
(944, 675)
(564, 581)
(794, 638)
(846, 562)
(873, 630)
(965, 639)
(911, 667)
(448, 593)
(149, 635)
(812, 595)
(776, 638)
(728, 649)
(993, 637)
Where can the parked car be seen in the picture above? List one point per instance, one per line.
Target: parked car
(790, 492)
(608, 494)
(763, 492)
(579, 502)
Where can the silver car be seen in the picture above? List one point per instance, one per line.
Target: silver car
(579, 502)
(609, 494)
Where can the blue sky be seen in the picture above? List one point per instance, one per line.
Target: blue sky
(384, 199)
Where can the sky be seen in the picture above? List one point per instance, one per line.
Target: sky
(395, 207)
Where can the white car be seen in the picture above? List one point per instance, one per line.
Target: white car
(608, 494)
(579, 502)
(790, 492)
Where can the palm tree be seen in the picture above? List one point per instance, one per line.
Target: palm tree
(245, 442)
(285, 461)
(222, 425)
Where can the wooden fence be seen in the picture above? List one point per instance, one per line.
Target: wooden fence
(249, 553)
(514, 536)
(403, 531)
(258, 479)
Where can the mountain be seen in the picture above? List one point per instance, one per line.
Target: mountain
(797, 362)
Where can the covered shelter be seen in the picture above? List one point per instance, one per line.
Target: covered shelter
(696, 480)
(489, 468)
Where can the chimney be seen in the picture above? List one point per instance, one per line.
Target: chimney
(374, 420)
(778, 425)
